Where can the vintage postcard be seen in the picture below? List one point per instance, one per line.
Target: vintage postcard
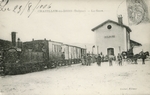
(74, 47)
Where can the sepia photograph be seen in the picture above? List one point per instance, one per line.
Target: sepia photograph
(74, 47)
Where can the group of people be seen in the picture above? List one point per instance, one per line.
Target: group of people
(88, 59)
(113, 58)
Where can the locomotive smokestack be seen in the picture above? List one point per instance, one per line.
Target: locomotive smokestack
(13, 37)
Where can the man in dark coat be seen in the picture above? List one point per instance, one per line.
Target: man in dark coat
(82, 60)
(88, 60)
(99, 60)
(143, 58)
(102, 57)
(63, 58)
(85, 61)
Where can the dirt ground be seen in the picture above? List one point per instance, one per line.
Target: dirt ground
(129, 79)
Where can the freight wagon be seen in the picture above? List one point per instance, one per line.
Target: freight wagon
(51, 52)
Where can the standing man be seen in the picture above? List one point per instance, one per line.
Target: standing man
(102, 57)
(88, 60)
(143, 58)
(119, 59)
(85, 59)
(110, 60)
(99, 60)
(82, 59)
(63, 58)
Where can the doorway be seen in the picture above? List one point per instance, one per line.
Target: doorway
(110, 51)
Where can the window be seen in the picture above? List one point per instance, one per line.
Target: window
(53, 48)
(109, 27)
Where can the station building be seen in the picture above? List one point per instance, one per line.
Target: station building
(113, 37)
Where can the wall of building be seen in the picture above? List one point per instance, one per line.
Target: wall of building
(128, 40)
(111, 38)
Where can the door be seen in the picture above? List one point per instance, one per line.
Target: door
(110, 51)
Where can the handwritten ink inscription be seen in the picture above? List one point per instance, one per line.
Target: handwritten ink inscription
(29, 7)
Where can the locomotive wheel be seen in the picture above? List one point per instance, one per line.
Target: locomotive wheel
(65, 62)
(59, 63)
(49, 65)
(55, 64)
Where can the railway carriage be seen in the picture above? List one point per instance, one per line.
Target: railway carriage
(78, 54)
(65, 49)
(75, 54)
(55, 52)
(71, 54)
(83, 51)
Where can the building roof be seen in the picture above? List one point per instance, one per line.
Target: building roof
(122, 25)
(134, 43)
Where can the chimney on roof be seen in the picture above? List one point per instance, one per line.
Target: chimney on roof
(13, 37)
(120, 19)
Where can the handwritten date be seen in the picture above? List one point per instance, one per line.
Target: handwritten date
(30, 7)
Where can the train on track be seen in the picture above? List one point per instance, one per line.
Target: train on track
(38, 55)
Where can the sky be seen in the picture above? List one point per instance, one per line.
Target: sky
(72, 24)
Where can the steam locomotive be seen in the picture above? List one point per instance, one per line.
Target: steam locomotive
(38, 55)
